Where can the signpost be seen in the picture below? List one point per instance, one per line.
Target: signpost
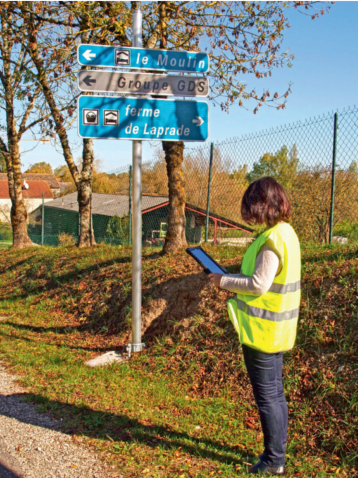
(136, 345)
(106, 117)
(137, 119)
(142, 58)
(142, 83)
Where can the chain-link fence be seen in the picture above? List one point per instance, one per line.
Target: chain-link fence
(315, 160)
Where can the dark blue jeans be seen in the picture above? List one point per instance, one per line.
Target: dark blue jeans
(265, 372)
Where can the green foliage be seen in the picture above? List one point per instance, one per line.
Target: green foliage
(104, 183)
(353, 170)
(281, 166)
(240, 175)
(63, 174)
(346, 228)
(5, 232)
(66, 240)
(40, 168)
(118, 228)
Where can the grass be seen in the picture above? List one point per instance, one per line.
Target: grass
(184, 407)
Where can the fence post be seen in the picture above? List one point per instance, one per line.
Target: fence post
(335, 127)
(209, 191)
(130, 207)
(43, 221)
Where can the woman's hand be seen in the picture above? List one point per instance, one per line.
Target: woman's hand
(216, 278)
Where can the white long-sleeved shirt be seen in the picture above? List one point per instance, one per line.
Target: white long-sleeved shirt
(266, 268)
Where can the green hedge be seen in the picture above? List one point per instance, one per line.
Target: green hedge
(5, 232)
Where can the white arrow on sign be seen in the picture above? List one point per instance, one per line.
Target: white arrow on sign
(198, 121)
(88, 55)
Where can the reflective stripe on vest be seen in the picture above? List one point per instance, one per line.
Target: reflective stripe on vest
(284, 288)
(267, 314)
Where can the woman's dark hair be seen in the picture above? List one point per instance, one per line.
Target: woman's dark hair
(265, 201)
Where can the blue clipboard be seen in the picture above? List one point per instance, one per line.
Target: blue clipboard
(207, 262)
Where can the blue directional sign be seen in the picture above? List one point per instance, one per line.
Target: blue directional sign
(142, 58)
(105, 117)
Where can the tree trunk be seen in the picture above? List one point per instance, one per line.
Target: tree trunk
(18, 209)
(86, 236)
(175, 238)
(12, 152)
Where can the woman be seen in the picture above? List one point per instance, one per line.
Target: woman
(265, 311)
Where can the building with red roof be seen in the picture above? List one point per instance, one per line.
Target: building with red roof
(51, 180)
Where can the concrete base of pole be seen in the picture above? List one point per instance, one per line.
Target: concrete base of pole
(106, 359)
(135, 348)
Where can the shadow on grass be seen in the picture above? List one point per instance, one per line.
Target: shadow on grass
(48, 342)
(15, 265)
(56, 281)
(89, 269)
(111, 427)
(174, 300)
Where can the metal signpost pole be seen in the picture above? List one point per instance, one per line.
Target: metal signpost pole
(90, 224)
(130, 207)
(136, 345)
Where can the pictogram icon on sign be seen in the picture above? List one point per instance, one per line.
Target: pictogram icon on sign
(90, 117)
(122, 57)
(110, 117)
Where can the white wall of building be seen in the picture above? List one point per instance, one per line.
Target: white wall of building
(30, 204)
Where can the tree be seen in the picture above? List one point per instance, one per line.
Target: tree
(40, 168)
(353, 170)
(41, 56)
(240, 175)
(104, 183)
(154, 176)
(63, 174)
(244, 38)
(281, 166)
(21, 99)
(175, 238)
(72, 22)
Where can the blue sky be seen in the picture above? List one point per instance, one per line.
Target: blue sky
(324, 77)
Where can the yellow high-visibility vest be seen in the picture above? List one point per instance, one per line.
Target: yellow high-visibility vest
(268, 322)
